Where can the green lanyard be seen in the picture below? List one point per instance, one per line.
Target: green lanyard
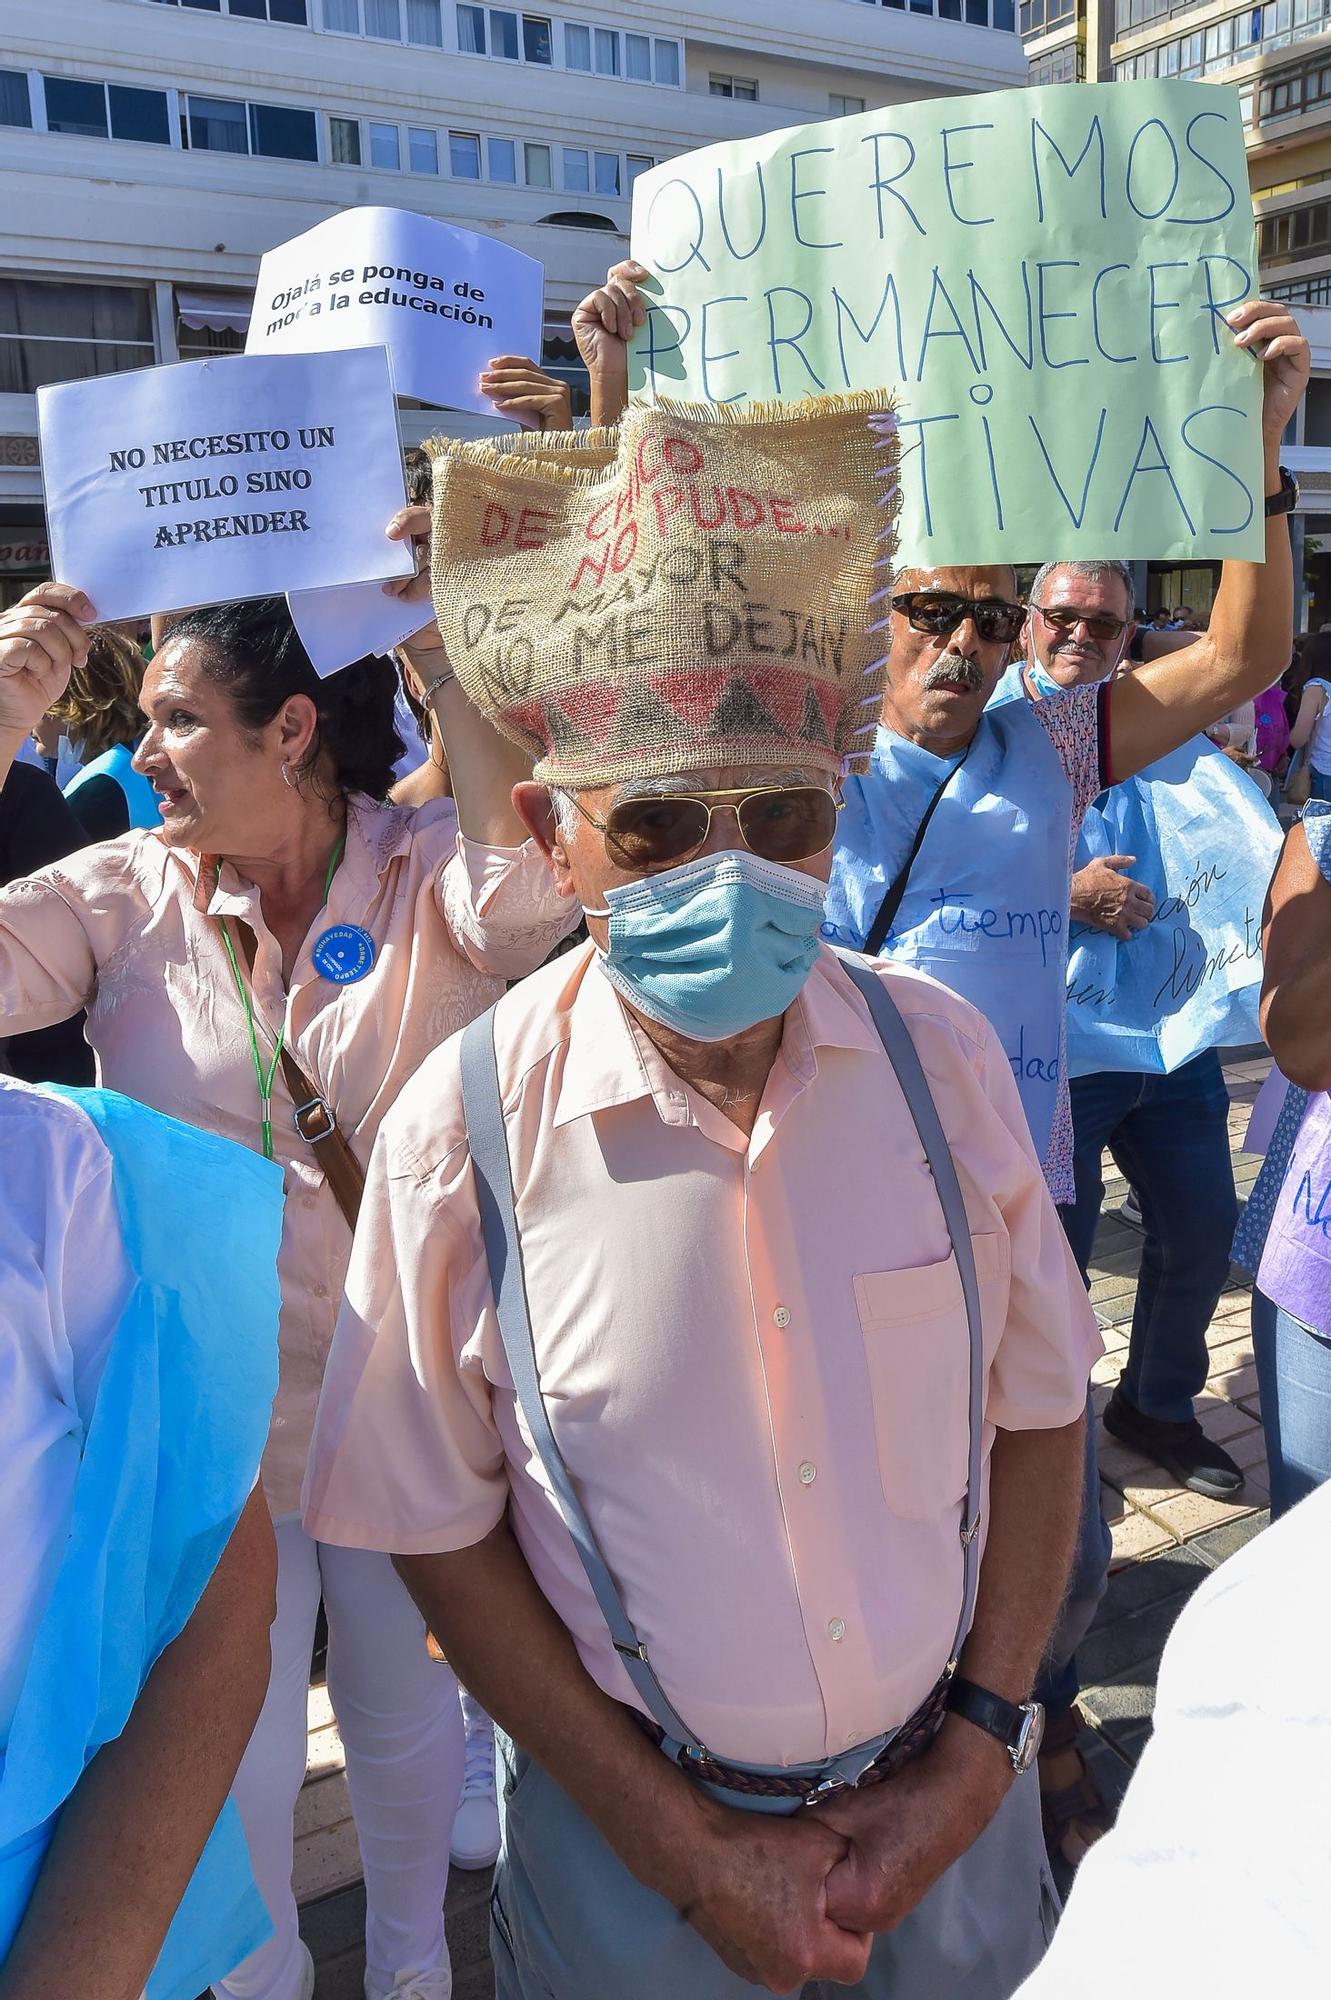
(265, 1077)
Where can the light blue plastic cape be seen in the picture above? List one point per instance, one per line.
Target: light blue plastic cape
(169, 1459)
(1206, 843)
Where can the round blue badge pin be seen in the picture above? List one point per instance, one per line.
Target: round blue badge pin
(343, 954)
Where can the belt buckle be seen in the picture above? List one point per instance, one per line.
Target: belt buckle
(319, 1104)
(826, 1788)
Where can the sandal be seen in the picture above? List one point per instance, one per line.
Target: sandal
(1072, 1808)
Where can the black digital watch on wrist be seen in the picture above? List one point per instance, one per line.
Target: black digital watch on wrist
(1018, 1726)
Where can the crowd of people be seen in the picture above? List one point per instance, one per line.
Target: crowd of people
(601, 1207)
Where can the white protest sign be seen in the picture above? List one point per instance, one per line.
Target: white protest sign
(444, 301)
(210, 481)
(339, 626)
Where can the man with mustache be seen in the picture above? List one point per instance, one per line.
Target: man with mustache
(955, 849)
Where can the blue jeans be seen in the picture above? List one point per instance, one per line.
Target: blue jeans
(1170, 1136)
(1294, 1375)
(1319, 784)
(1059, 1683)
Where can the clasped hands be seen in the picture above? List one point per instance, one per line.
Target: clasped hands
(782, 1900)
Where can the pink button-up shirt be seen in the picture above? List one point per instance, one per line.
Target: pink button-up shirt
(128, 929)
(753, 1350)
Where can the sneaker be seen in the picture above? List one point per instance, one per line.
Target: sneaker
(435, 1985)
(475, 1842)
(1130, 1210)
(1183, 1449)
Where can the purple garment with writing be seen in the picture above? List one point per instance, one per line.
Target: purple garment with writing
(1296, 1263)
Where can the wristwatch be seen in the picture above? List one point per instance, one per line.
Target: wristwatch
(1287, 499)
(1019, 1726)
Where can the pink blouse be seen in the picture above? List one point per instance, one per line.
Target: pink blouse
(128, 930)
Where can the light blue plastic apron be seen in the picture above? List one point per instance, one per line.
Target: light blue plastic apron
(986, 907)
(488, 1144)
(140, 798)
(169, 1459)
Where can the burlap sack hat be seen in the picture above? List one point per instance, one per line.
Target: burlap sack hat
(695, 588)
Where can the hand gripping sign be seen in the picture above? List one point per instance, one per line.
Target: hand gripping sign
(1040, 275)
(208, 481)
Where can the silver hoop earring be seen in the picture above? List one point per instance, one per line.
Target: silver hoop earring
(292, 784)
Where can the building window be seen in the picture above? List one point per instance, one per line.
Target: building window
(139, 114)
(471, 31)
(537, 40)
(15, 106)
(385, 147)
(464, 156)
(422, 150)
(501, 159)
(272, 131)
(425, 25)
(536, 165)
(58, 332)
(637, 163)
(216, 126)
(843, 107)
(503, 34)
(607, 52)
(607, 173)
(344, 141)
(73, 106)
(383, 22)
(638, 58)
(280, 132)
(292, 12)
(342, 17)
(1037, 16)
(733, 86)
(577, 170)
(1065, 65)
(577, 47)
(667, 63)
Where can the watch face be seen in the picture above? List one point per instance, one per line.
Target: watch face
(1029, 1738)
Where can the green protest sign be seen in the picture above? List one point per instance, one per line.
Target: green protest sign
(1041, 277)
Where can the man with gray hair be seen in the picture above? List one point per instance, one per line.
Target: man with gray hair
(1168, 1132)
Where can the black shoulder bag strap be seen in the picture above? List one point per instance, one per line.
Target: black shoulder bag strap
(896, 888)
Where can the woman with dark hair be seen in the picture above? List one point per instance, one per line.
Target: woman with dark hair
(1311, 728)
(272, 964)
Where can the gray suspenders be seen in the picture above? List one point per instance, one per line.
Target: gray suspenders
(488, 1143)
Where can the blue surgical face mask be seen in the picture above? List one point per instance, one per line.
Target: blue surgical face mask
(714, 946)
(1043, 683)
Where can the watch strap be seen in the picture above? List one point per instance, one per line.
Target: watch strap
(988, 1711)
(1287, 498)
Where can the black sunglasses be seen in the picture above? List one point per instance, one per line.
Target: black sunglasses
(1065, 618)
(784, 823)
(941, 611)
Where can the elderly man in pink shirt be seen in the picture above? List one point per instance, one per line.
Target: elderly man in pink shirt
(712, 1359)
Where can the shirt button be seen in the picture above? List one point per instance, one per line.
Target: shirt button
(808, 1473)
(836, 1629)
(781, 1317)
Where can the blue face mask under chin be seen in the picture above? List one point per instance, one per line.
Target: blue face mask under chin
(1043, 683)
(714, 946)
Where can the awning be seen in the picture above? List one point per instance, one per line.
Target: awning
(220, 312)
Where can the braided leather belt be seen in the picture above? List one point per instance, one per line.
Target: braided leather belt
(911, 1741)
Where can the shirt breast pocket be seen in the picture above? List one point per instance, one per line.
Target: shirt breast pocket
(917, 1351)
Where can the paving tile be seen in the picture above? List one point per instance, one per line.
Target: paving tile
(1107, 1370)
(1221, 1419)
(1118, 1706)
(1138, 1535)
(324, 1861)
(323, 1805)
(1189, 1514)
(1239, 1385)
(1218, 1544)
(1249, 1450)
(1172, 1575)
(1118, 1462)
(1128, 1646)
(1229, 1356)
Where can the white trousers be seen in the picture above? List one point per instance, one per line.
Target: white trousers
(401, 1726)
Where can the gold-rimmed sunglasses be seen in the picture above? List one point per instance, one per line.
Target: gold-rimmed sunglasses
(784, 823)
